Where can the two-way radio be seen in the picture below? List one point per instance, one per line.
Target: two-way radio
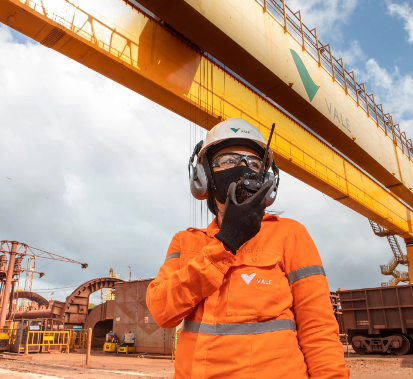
(249, 184)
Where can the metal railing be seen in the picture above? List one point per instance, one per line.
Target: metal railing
(398, 276)
(46, 339)
(397, 251)
(77, 339)
(379, 230)
(292, 24)
(398, 256)
(388, 268)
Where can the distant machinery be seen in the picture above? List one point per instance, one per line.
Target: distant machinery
(75, 309)
(31, 264)
(399, 257)
(9, 275)
(32, 296)
(108, 293)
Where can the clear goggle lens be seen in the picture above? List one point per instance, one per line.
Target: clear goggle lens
(230, 160)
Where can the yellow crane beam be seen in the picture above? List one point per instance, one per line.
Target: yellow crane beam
(268, 45)
(138, 52)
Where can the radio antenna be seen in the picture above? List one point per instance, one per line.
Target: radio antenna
(261, 172)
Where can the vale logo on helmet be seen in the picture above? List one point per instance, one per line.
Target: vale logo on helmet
(236, 130)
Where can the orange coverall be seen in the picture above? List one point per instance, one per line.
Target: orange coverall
(264, 313)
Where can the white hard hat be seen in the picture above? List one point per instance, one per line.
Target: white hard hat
(234, 131)
(237, 129)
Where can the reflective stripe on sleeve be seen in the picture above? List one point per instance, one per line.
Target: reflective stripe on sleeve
(305, 272)
(173, 255)
(238, 328)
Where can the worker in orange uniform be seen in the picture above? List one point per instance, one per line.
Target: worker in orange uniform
(250, 288)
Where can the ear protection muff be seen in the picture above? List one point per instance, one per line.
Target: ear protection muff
(198, 179)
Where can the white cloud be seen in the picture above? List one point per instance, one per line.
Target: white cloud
(99, 174)
(392, 89)
(325, 15)
(93, 165)
(405, 12)
(352, 56)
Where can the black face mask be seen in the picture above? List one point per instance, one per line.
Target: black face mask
(224, 178)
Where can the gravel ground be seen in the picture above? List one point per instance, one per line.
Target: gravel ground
(68, 366)
(105, 365)
(380, 367)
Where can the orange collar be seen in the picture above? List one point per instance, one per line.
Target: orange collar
(213, 228)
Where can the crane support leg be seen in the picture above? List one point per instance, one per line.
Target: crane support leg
(409, 250)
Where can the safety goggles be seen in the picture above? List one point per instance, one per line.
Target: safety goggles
(230, 160)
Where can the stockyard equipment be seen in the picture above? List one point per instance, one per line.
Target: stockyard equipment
(9, 275)
(378, 320)
(110, 343)
(109, 347)
(128, 344)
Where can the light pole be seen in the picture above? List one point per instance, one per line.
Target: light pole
(130, 273)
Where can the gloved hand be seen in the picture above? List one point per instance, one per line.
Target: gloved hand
(241, 222)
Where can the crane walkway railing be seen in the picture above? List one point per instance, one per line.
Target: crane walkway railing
(389, 268)
(379, 230)
(397, 251)
(293, 24)
(397, 277)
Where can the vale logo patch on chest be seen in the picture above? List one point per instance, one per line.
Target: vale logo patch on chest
(248, 279)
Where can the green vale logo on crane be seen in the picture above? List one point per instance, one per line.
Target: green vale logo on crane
(310, 87)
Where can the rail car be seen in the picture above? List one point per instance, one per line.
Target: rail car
(378, 320)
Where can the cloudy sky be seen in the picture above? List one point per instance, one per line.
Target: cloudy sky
(97, 173)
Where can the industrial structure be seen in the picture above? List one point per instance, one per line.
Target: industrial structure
(10, 274)
(124, 313)
(212, 60)
(128, 313)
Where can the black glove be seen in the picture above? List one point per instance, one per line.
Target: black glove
(242, 221)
